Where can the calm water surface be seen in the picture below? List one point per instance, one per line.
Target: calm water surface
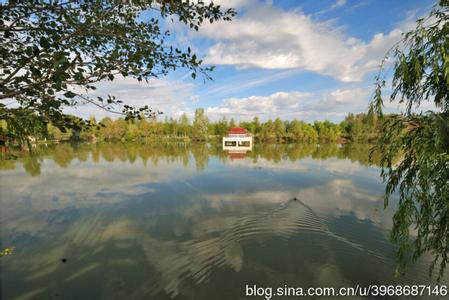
(192, 222)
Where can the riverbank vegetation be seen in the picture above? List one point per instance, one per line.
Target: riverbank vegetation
(354, 128)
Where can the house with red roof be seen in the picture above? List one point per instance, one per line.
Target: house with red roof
(237, 139)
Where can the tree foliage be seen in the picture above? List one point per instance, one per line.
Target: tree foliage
(420, 139)
(202, 129)
(360, 127)
(327, 131)
(200, 126)
(54, 51)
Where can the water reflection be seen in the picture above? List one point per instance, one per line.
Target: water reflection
(186, 221)
(64, 154)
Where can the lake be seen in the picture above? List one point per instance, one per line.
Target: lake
(191, 221)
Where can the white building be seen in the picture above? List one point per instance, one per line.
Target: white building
(238, 139)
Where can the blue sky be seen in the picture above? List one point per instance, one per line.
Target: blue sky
(308, 59)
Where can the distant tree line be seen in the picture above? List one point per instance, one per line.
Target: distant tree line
(354, 128)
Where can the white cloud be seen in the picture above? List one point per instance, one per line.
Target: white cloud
(336, 5)
(341, 101)
(339, 3)
(333, 105)
(169, 97)
(81, 179)
(175, 98)
(267, 37)
(270, 106)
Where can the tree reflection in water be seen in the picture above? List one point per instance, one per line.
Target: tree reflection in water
(63, 154)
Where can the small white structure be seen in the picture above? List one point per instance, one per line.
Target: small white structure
(238, 139)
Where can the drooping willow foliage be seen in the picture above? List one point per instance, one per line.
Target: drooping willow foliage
(415, 143)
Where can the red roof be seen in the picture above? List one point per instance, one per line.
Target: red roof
(237, 130)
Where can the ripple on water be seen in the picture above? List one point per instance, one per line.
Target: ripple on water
(194, 260)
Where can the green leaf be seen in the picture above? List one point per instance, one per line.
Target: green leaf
(70, 94)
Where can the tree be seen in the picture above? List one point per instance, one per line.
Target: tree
(232, 123)
(295, 131)
(420, 140)
(144, 128)
(54, 133)
(55, 49)
(132, 132)
(200, 125)
(279, 129)
(360, 128)
(172, 127)
(310, 134)
(90, 132)
(185, 125)
(327, 131)
(267, 131)
(256, 125)
(221, 127)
